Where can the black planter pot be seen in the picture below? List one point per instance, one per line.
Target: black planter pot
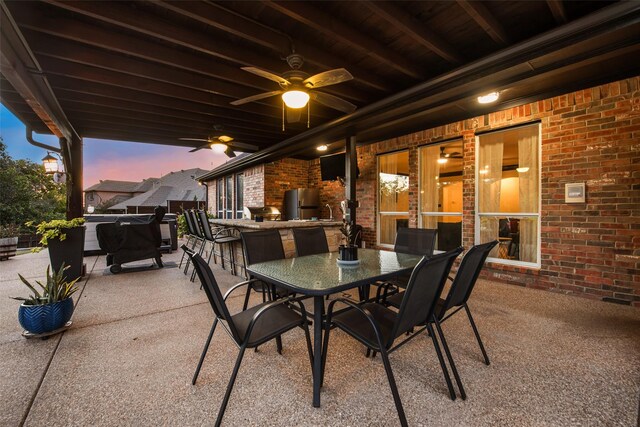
(348, 253)
(69, 251)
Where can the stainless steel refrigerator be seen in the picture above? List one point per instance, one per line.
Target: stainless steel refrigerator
(302, 203)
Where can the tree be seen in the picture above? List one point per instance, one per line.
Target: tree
(27, 193)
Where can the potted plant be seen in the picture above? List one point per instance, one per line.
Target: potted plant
(8, 240)
(348, 251)
(49, 308)
(65, 239)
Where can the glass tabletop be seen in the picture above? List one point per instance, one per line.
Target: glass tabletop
(321, 275)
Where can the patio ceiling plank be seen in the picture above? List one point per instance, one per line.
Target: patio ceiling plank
(486, 20)
(332, 27)
(414, 29)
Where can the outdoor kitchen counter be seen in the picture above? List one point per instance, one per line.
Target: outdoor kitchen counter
(331, 229)
(268, 225)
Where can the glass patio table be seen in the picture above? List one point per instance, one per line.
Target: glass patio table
(320, 275)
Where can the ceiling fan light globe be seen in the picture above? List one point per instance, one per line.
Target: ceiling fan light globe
(295, 98)
(443, 160)
(218, 147)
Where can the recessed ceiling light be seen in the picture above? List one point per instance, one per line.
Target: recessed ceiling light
(488, 98)
(522, 170)
(322, 147)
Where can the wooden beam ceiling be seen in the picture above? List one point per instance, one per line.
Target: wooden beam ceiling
(486, 20)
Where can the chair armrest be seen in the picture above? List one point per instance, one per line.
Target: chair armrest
(264, 309)
(234, 287)
(359, 309)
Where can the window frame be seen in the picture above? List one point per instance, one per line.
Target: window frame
(390, 213)
(238, 210)
(419, 173)
(478, 215)
(220, 197)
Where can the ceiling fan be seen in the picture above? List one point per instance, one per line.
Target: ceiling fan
(297, 87)
(444, 157)
(221, 144)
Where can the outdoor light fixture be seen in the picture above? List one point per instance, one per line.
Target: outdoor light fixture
(50, 164)
(522, 169)
(219, 147)
(488, 98)
(295, 98)
(91, 209)
(322, 147)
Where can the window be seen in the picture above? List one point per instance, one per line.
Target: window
(229, 196)
(239, 195)
(220, 196)
(440, 200)
(393, 195)
(508, 194)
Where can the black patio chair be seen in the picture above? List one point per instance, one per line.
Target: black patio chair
(200, 238)
(415, 241)
(377, 326)
(262, 246)
(249, 328)
(191, 236)
(462, 286)
(310, 241)
(208, 236)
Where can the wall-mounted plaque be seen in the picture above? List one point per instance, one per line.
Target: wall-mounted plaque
(574, 193)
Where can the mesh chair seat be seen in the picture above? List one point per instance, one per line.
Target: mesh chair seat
(271, 324)
(360, 328)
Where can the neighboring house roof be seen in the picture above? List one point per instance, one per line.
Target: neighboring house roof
(109, 185)
(179, 186)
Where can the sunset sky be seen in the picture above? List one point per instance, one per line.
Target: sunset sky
(104, 159)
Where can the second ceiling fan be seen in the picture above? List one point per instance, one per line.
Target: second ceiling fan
(221, 144)
(297, 87)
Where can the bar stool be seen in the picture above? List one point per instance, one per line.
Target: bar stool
(229, 236)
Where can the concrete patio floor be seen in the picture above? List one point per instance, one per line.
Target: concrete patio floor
(135, 340)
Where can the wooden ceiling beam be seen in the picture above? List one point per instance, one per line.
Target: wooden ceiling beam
(558, 11)
(485, 19)
(194, 128)
(418, 32)
(54, 47)
(21, 68)
(106, 90)
(331, 27)
(130, 16)
(78, 99)
(60, 26)
(211, 14)
(84, 72)
(130, 125)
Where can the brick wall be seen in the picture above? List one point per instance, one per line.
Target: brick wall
(591, 136)
(283, 175)
(253, 182)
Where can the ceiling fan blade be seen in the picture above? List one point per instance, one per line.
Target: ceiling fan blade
(268, 75)
(327, 78)
(332, 101)
(240, 146)
(193, 139)
(229, 152)
(202, 147)
(293, 115)
(256, 97)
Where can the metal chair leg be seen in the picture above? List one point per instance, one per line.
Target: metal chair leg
(394, 388)
(309, 348)
(184, 253)
(246, 297)
(227, 394)
(475, 331)
(452, 364)
(445, 371)
(279, 344)
(204, 352)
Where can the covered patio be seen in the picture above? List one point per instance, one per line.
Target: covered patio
(136, 338)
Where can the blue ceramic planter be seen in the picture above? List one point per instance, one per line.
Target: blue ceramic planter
(40, 319)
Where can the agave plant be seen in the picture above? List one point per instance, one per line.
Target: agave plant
(348, 229)
(56, 288)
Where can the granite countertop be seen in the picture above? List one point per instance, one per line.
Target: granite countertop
(247, 223)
